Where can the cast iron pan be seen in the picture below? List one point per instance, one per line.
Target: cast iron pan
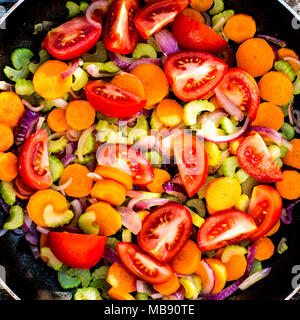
(31, 279)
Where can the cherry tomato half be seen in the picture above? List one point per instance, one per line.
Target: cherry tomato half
(241, 88)
(142, 265)
(165, 231)
(265, 208)
(255, 158)
(193, 75)
(112, 100)
(191, 159)
(72, 39)
(225, 227)
(128, 159)
(194, 35)
(34, 161)
(120, 34)
(76, 250)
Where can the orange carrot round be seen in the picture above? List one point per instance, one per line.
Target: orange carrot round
(81, 184)
(235, 267)
(289, 187)
(169, 112)
(8, 166)
(192, 13)
(119, 294)
(220, 274)
(269, 115)
(6, 137)
(264, 249)
(160, 177)
(255, 56)
(276, 87)
(130, 83)
(48, 82)
(80, 115)
(11, 108)
(188, 259)
(154, 80)
(56, 120)
(201, 5)
(168, 287)
(289, 53)
(109, 191)
(240, 28)
(292, 158)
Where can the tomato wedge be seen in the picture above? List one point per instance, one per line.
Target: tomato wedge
(120, 34)
(255, 158)
(142, 265)
(165, 231)
(225, 227)
(34, 161)
(193, 75)
(241, 88)
(113, 101)
(191, 159)
(194, 35)
(155, 15)
(72, 39)
(76, 250)
(265, 208)
(127, 159)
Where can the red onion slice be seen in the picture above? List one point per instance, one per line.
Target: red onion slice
(5, 86)
(175, 296)
(290, 113)
(292, 59)
(72, 69)
(31, 108)
(43, 230)
(286, 214)
(255, 277)
(130, 220)
(149, 203)
(90, 11)
(274, 40)
(144, 60)
(207, 287)
(144, 287)
(176, 190)
(166, 42)
(111, 255)
(94, 72)
(121, 61)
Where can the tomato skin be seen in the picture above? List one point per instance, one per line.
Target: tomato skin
(212, 233)
(78, 29)
(34, 162)
(194, 79)
(113, 101)
(123, 41)
(142, 265)
(165, 219)
(255, 158)
(127, 159)
(76, 250)
(191, 159)
(242, 89)
(265, 207)
(155, 15)
(194, 35)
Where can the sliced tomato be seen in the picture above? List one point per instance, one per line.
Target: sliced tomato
(193, 75)
(113, 101)
(72, 39)
(127, 159)
(165, 231)
(120, 34)
(224, 228)
(241, 88)
(191, 159)
(76, 250)
(34, 161)
(142, 265)
(194, 35)
(265, 208)
(155, 15)
(255, 158)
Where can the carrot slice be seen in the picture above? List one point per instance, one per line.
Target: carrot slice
(292, 158)
(255, 56)
(80, 115)
(234, 144)
(240, 28)
(276, 87)
(187, 260)
(57, 120)
(119, 294)
(81, 184)
(284, 53)
(168, 287)
(269, 115)
(6, 137)
(48, 82)
(201, 5)
(289, 187)
(115, 174)
(154, 80)
(192, 13)
(169, 112)
(264, 249)
(8, 166)
(11, 108)
(160, 177)
(235, 267)
(119, 277)
(220, 274)
(130, 83)
(109, 191)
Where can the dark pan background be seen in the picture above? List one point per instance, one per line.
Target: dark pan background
(32, 279)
